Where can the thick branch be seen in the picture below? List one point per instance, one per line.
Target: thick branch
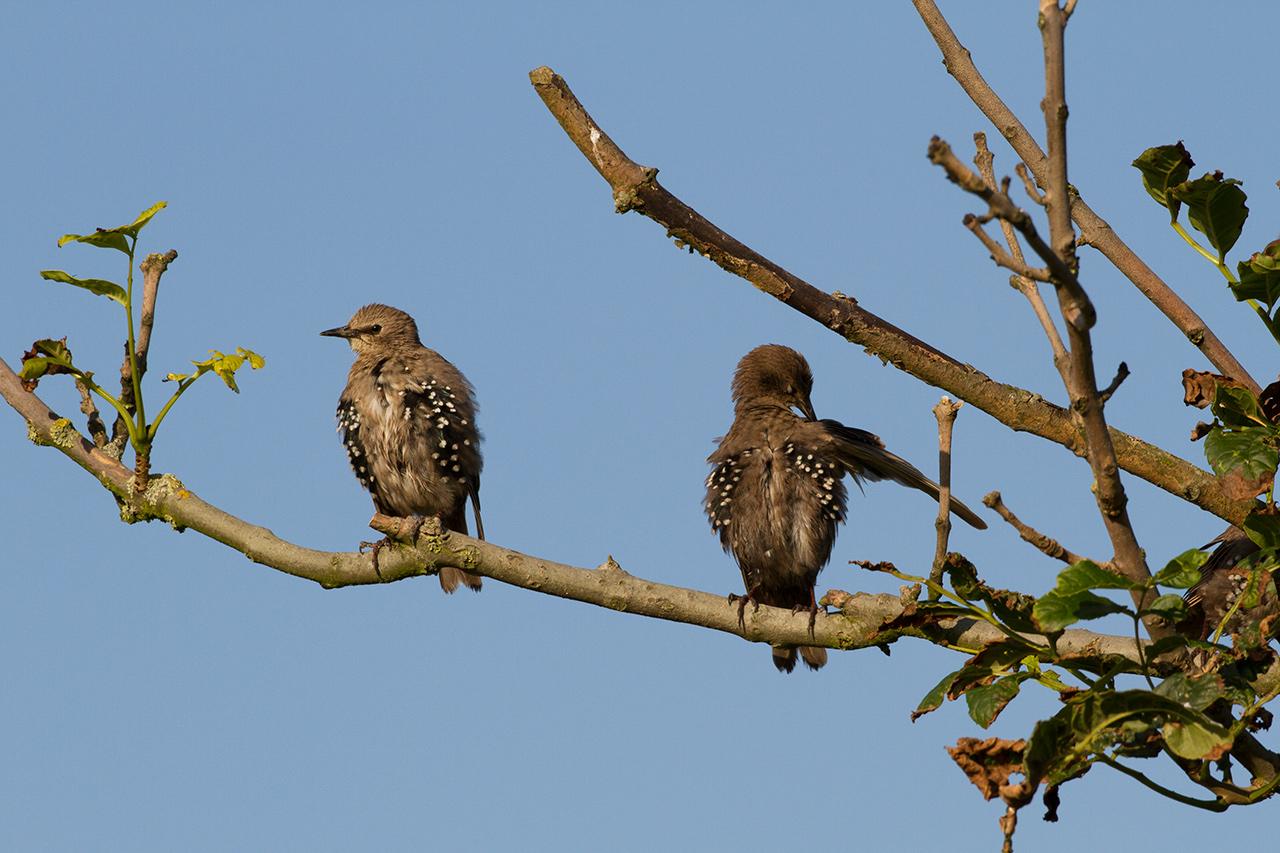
(1094, 230)
(857, 625)
(636, 188)
(153, 267)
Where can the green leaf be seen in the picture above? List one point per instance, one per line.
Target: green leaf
(1087, 574)
(1162, 167)
(114, 238)
(1263, 528)
(935, 697)
(1169, 607)
(143, 218)
(1198, 740)
(109, 289)
(1261, 286)
(986, 703)
(1237, 407)
(1249, 450)
(1011, 608)
(224, 364)
(46, 358)
(1215, 207)
(102, 238)
(1054, 611)
(1195, 693)
(1183, 571)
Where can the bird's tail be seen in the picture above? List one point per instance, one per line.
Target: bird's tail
(451, 578)
(784, 657)
(865, 456)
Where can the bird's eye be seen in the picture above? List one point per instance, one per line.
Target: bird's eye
(375, 328)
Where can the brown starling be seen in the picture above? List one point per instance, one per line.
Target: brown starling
(1224, 577)
(408, 420)
(776, 492)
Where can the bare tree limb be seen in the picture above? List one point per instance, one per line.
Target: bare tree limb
(859, 623)
(1094, 230)
(637, 188)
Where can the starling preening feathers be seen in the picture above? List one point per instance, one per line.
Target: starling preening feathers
(776, 492)
(408, 420)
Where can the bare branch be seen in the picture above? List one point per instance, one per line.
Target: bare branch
(153, 267)
(1046, 545)
(858, 624)
(1082, 385)
(637, 188)
(1029, 185)
(945, 412)
(97, 429)
(1000, 256)
(985, 162)
(1094, 230)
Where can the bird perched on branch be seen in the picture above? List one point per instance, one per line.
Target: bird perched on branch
(776, 492)
(408, 420)
(1230, 573)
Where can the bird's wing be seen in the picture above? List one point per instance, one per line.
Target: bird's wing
(349, 426)
(864, 454)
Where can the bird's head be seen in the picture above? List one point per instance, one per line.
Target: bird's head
(774, 375)
(376, 328)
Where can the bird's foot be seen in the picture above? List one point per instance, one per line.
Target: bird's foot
(812, 610)
(741, 601)
(375, 547)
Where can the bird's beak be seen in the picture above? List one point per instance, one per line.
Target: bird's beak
(340, 332)
(807, 408)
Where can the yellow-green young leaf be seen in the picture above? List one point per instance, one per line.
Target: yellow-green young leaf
(177, 377)
(109, 289)
(114, 238)
(143, 218)
(255, 361)
(103, 238)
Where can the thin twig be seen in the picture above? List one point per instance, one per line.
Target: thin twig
(985, 161)
(945, 412)
(1029, 185)
(1122, 373)
(1045, 544)
(1094, 230)
(97, 429)
(1000, 256)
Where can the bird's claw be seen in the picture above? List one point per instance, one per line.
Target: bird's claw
(741, 601)
(375, 547)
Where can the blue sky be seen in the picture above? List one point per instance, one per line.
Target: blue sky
(161, 692)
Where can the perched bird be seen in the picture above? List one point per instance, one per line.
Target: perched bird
(1225, 576)
(776, 492)
(408, 420)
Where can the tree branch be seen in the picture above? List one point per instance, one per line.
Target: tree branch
(1094, 230)
(945, 412)
(858, 624)
(636, 188)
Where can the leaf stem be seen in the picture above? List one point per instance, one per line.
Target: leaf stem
(1206, 254)
(183, 385)
(138, 437)
(1207, 805)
